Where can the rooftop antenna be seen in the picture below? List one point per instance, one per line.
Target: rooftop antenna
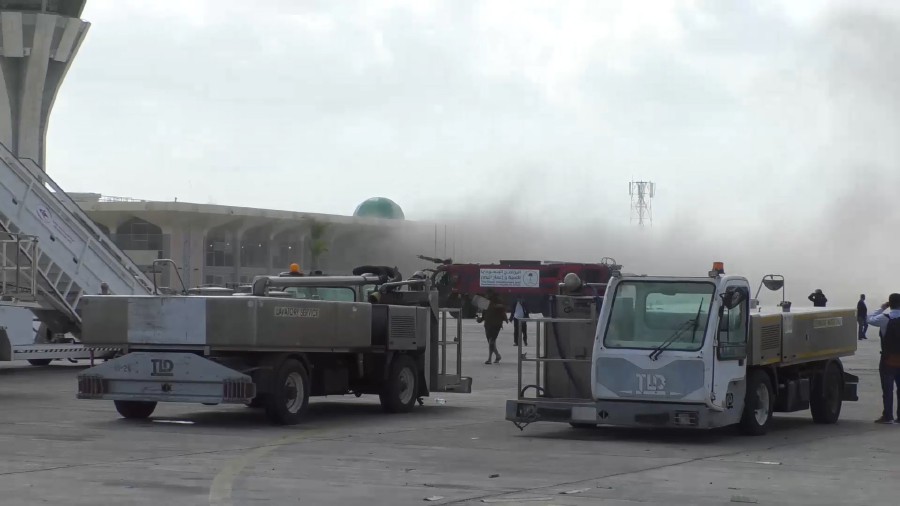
(642, 192)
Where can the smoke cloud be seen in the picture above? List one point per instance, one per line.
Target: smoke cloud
(820, 209)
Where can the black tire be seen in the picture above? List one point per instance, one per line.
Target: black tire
(135, 410)
(40, 361)
(759, 391)
(401, 389)
(468, 310)
(827, 399)
(288, 395)
(583, 426)
(258, 402)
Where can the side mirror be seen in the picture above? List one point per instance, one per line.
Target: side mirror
(732, 297)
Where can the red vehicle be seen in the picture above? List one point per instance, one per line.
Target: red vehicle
(533, 280)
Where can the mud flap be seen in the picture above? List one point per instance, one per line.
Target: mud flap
(851, 383)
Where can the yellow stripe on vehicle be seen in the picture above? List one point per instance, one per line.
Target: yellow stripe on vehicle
(834, 351)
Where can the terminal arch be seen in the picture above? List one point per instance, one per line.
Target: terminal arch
(138, 234)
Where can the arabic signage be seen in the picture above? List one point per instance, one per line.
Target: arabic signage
(510, 278)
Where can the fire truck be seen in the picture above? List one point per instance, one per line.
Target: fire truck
(461, 286)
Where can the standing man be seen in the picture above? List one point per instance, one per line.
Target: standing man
(862, 316)
(889, 366)
(520, 328)
(818, 298)
(493, 317)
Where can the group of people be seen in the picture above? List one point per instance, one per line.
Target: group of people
(494, 316)
(887, 319)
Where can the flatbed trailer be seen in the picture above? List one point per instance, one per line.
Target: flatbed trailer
(287, 340)
(699, 353)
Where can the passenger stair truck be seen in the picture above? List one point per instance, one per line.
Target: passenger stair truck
(291, 338)
(51, 255)
(700, 353)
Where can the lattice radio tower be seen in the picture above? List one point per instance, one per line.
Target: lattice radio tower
(642, 192)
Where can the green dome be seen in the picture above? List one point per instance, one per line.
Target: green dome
(379, 207)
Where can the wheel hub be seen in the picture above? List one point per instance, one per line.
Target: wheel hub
(406, 382)
(293, 392)
(762, 404)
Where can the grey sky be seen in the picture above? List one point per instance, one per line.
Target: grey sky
(769, 112)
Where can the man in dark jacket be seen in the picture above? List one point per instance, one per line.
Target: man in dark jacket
(493, 317)
(862, 316)
(887, 318)
(818, 298)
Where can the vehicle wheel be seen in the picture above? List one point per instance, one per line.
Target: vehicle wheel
(135, 410)
(826, 401)
(40, 361)
(468, 310)
(757, 404)
(581, 425)
(288, 398)
(401, 390)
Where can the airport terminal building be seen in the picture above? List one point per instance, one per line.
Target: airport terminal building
(227, 245)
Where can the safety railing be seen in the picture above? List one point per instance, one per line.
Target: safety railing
(111, 198)
(68, 211)
(446, 314)
(540, 359)
(18, 274)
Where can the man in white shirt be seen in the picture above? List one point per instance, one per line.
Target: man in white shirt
(519, 327)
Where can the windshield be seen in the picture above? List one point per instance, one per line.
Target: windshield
(335, 294)
(645, 314)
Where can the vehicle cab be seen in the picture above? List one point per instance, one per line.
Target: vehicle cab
(671, 351)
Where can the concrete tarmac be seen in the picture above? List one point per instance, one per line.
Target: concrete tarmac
(55, 449)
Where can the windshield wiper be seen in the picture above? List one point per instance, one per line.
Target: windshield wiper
(693, 322)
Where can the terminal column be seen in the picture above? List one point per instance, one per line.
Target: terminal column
(39, 41)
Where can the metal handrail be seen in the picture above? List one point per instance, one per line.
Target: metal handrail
(445, 313)
(112, 198)
(30, 275)
(538, 359)
(82, 223)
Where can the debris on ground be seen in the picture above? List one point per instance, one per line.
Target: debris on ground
(515, 500)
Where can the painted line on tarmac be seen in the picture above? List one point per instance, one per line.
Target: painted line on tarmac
(223, 483)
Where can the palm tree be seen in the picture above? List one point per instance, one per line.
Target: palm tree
(317, 245)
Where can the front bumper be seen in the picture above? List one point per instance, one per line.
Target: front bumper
(611, 413)
(165, 377)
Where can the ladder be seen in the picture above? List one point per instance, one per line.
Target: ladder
(69, 256)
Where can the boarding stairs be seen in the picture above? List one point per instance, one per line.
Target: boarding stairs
(58, 254)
